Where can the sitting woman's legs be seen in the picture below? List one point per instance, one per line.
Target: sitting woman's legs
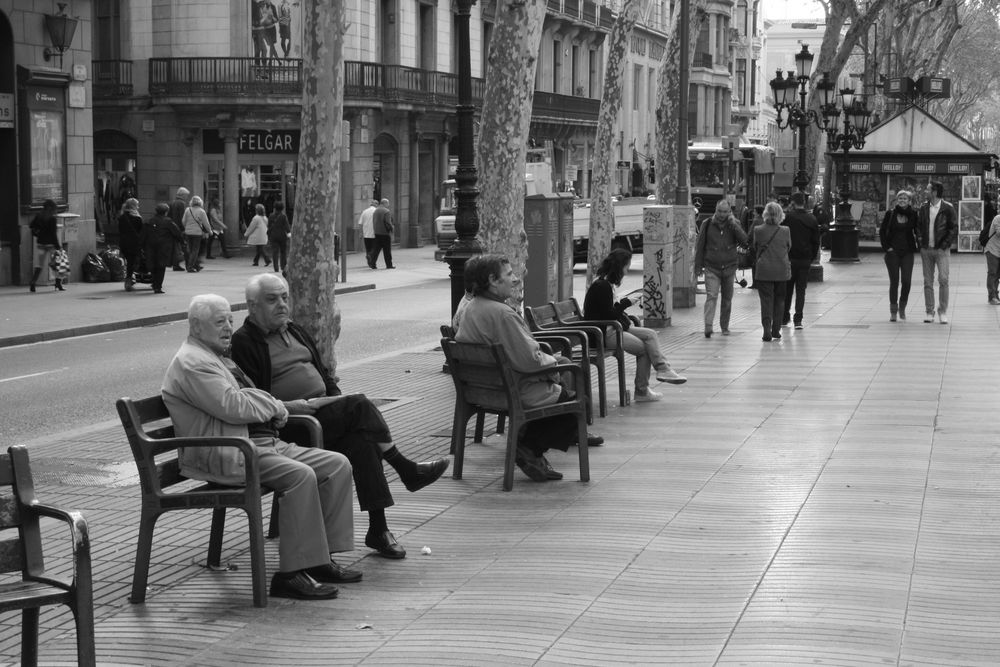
(634, 346)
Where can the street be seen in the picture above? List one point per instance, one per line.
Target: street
(51, 387)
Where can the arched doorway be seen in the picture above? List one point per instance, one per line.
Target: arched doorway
(10, 227)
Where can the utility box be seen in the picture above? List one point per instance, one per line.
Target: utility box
(548, 225)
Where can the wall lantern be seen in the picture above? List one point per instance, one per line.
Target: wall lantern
(61, 29)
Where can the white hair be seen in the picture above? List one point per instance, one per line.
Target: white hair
(203, 306)
(254, 284)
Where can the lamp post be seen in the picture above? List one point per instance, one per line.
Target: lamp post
(798, 115)
(466, 245)
(856, 118)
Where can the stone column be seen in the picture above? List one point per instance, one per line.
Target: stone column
(413, 226)
(685, 231)
(657, 261)
(230, 186)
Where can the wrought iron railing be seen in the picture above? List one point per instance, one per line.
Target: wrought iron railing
(112, 78)
(225, 76)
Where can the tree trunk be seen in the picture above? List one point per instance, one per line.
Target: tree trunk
(503, 134)
(312, 266)
(602, 212)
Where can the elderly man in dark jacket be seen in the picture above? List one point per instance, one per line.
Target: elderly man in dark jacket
(715, 252)
(282, 359)
(158, 236)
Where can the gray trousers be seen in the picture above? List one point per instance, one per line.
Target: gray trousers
(932, 259)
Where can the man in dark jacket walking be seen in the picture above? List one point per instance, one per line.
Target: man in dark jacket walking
(936, 227)
(177, 208)
(382, 221)
(805, 247)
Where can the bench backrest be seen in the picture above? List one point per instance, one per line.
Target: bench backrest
(567, 311)
(20, 533)
(539, 317)
(147, 421)
(481, 374)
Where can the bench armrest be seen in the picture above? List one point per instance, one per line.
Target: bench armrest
(245, 445)
(574, 369)
(79, 533)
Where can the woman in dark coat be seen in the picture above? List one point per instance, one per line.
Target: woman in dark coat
(770, 244)
(157, 239)
(129, 228)
(898, 235)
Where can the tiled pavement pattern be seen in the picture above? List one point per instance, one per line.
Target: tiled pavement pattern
(831, 498)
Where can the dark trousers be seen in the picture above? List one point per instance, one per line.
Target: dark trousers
(179, 252)
(130, 254)
(194, 247)
(797, 283)
(369, 250)
(279, 250)
(900, 267)
(353, 426)
(261, 250)
(992, 273)
(383, 244)
(556, 432)
(772, 303)
(222, 246)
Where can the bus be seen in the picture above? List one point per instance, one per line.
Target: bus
(715, 175)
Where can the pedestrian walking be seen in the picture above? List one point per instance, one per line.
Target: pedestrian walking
(898, 235)
(158, 238)
(771, 243)
(936, 228)
(382, 224)
(129, 229)
(196, 228)
(218, 230)
(279, 230)
(804, 231)
(716, 254)
(177, 209)
(45, 228)
(992, 253)
(367, 227)
(256, 235)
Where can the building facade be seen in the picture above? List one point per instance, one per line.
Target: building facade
(45, 130)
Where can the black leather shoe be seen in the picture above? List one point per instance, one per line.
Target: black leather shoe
(427, 473)
(550, 472)
(331, 573)
(531, 465)
(300, 586)
(594, 441)
(385, 544)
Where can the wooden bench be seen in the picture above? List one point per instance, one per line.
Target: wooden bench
(568, 313)
(484, 380)
(164, 489)
(20, 511)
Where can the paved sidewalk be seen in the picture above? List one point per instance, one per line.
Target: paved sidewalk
(827, 499)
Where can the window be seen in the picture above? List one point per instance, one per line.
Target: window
(556, 65)
(107, 28)
(636, 86)
(425, 37)
(593, 81)
(741, 18)
(741, 82)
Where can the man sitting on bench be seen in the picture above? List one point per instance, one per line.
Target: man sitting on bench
(487, 319)
(207, 395)
(283, 359)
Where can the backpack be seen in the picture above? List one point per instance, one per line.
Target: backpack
(984, 235)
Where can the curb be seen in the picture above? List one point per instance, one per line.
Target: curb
(73, 332)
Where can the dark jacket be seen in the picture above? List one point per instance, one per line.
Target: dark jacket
(45, 229)
(717, 243)
(129, 229)
(901, 237)
(278, 227)
(945, 226)
(599, 304)
(157, 238)
(805, 234)
(382, 221)
(249, 351)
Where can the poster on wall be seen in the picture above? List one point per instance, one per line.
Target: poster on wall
(42, 140)
(970, 187)
(970, 221)
(47, 168)
(275, 29)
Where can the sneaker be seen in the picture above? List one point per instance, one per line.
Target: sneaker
(995, 301)
(649, 397)
(943, 317)
(531, 465)
(798, 325)
(725, 332)
(929, 317)
(708, 333)
(671, 376)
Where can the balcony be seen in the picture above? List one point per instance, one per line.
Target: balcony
(565, 108)
(398, 84)
(112, 79)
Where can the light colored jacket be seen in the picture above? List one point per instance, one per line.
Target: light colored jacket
(485, 320)
(256, 233)
(196, 222)
(204, 399)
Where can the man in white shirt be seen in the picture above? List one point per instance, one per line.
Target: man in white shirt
(935, 232)
(368, 231)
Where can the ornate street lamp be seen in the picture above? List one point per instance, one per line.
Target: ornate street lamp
(856, 119)
(61, 29)
(798, 115)
(466, 245)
